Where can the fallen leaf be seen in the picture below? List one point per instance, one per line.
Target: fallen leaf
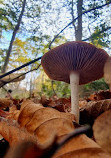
(93, 109)
(5, 102)
(102, 130)
(58, 126)
(44, 114)
(86, 153)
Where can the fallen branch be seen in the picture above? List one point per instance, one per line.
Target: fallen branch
(20, 67)
(57, 146)
(20, 76)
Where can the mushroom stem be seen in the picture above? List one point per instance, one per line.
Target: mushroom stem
(74, 84)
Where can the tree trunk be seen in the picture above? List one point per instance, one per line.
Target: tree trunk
(13, 38)
(78, 31)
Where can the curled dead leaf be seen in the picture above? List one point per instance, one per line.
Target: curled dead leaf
(101, 95)
(44, 123)
(59, 126)
(5, 102)
(102, 130)
(44, 114)
(76, 143)
(26, 112)
(12, 132)
(86, 153)
(93, 109)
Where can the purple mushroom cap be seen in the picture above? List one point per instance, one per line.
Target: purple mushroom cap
(81, 57)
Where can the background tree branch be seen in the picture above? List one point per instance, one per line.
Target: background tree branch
(4, 83)
(96, 34)
(20, 67)
(87, 11)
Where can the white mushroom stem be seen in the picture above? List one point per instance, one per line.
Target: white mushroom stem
(74, 84)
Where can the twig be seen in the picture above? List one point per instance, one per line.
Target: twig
(20, 67)
(78, 131)
(76, 19)
(4, 83)
(13, 37)
(91, 37)
(57, 146)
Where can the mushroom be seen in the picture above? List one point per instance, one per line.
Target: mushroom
(107, 72)
(76, 63)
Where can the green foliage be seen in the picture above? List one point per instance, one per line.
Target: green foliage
(94, 87)
(7, 17)
(43, 85)
(61, 89)
(100, 37)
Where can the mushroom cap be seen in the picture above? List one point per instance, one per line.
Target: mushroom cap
(77, 56)
(107, 71)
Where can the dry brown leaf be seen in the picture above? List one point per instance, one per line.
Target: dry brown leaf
(22, 144)
(25, 103)
(5, 102)
(25, 150)
(26, 112)
(101, 95)
(44, 114)
(4, 114)
(58, 126)
(14, 115)
(12, 108)
(44, 101)
(102, 130)
(32, 115)
(86, 153)
(38, 119)
(61, 104)
(93, 109)
(12, 132)
(44, 123)
(80, 147)
(76, 143)
(82, 103)
(31, 149)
